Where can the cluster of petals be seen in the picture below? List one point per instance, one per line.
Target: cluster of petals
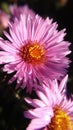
(50, 96)
(4, 19)
(37, 35)
(16, 10)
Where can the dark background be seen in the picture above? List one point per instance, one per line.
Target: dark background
(12, 103)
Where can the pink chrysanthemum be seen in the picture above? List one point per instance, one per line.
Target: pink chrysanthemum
(53, 111)
(16, 11)
(35, 50)
(4, 19)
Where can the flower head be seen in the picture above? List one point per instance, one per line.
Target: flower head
(4, 19)
(16, 11)
(52, 111)
(35, 50)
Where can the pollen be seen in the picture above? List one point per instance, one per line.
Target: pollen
(33, 53)
(60, 121)
(36, 51)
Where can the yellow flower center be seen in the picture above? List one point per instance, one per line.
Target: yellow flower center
(60, 121)
(36, 51)
(33, 53)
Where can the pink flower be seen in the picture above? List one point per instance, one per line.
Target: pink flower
(16, 11)
(52, 111)
(4, 19)
(35, 50)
